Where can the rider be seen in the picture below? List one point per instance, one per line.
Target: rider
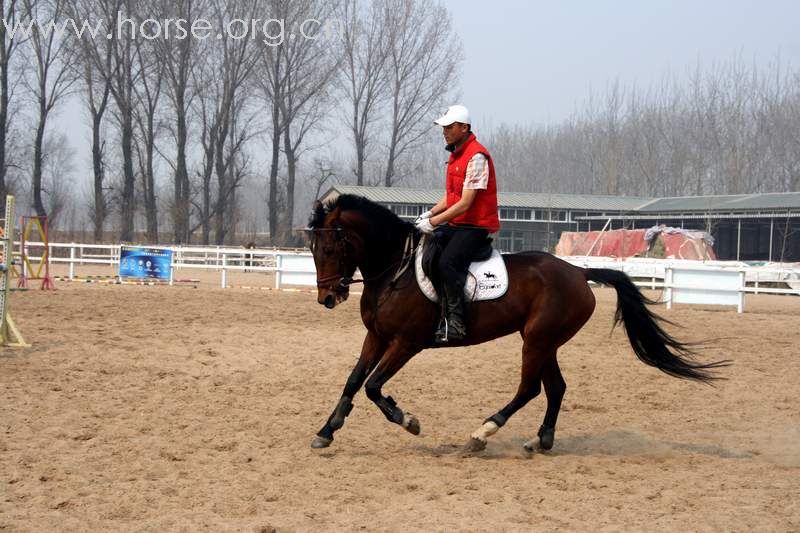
(463, 218)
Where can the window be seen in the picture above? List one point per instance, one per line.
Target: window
(515, 214)
(510, 241)
(406, 211)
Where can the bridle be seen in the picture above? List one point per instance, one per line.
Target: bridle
(341, 243)
(345, 280)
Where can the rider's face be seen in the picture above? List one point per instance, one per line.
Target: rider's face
(455, 132)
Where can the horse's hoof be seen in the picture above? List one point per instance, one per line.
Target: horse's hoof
(411, 424)
(475, 445)
(547, 437)
(320, 442)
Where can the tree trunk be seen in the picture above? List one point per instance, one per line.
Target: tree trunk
(360, 156)
(99, 176)
(128, 199)
(208, 171)
(3, 129)
(150, 203)
(38, 156)
(180, 220)
(273, 175)
(291, 170)
(222, 188)
(389, 177)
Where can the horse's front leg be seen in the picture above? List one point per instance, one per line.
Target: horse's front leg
(371, 353)
(396, 356)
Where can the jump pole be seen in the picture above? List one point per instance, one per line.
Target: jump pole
(9, 333)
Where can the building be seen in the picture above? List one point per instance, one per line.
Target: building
(749, 227)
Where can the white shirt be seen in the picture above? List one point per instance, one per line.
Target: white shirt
(477, 177)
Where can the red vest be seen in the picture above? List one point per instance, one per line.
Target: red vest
(483, 211)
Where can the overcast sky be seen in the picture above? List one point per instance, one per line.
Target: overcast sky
(533, 61)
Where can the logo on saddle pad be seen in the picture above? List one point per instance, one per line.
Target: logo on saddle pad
(486, 280)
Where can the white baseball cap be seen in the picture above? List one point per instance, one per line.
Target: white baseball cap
(455, 113)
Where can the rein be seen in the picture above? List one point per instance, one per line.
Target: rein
(346, 281)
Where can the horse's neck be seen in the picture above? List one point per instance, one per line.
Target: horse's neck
(380, 267)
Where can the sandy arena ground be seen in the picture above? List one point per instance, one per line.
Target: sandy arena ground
(193, 407)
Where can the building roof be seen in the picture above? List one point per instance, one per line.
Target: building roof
(588, 202)
(389, 195)
(583, 202)
(739, 202)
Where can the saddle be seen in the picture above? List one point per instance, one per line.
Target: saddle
(487, 278)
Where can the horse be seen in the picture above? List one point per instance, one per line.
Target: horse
(547, 302)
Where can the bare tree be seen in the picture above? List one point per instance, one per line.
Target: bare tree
(121, 73)
(422, 69)
(58, 175)
(148, 95)
(227, 66)
(363, 78)
(179, 55)
(97, 89)
(310, 68)
(728, 129)
(12, 15)
(324, 173)
(54, 79)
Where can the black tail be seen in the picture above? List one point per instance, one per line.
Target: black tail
(652, 345)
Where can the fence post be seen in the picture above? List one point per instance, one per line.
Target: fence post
(668, 286)
(72, 262)
(743, 284)
(224, 271)
(278, 267)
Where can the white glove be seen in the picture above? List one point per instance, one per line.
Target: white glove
(426, 214)
(424, 225)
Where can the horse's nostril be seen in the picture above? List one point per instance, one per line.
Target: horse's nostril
(330, 301)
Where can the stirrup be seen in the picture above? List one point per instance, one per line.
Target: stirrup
(439, 339)
(442, 333)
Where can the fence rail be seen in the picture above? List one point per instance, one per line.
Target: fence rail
(283, 263)
(296, 267)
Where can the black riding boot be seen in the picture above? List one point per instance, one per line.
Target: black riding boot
(452, 327)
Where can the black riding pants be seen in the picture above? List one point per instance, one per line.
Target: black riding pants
(460, 244)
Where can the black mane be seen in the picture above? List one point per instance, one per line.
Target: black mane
(385, 226)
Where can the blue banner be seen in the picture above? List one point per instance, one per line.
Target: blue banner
(144, 263)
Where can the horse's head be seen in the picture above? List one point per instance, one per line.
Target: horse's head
(337, 248)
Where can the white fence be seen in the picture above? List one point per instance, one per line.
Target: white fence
(681, 280)
(289, 266)
(699, 282)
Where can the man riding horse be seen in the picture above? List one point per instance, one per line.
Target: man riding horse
(463, 219)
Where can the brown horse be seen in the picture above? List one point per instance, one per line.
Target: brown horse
(547, 302)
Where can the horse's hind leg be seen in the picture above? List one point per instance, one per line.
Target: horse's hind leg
(533, 359)
(554, 388)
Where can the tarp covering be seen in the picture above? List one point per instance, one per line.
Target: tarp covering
(659, 242)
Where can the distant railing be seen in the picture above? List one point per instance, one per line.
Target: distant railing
(289, 266)
(295, 267)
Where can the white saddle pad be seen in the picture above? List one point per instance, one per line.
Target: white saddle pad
(486, 280)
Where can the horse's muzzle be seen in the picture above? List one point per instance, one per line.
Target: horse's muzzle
(331, 299)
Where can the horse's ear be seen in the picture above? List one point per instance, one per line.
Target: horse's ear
(317, 215)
